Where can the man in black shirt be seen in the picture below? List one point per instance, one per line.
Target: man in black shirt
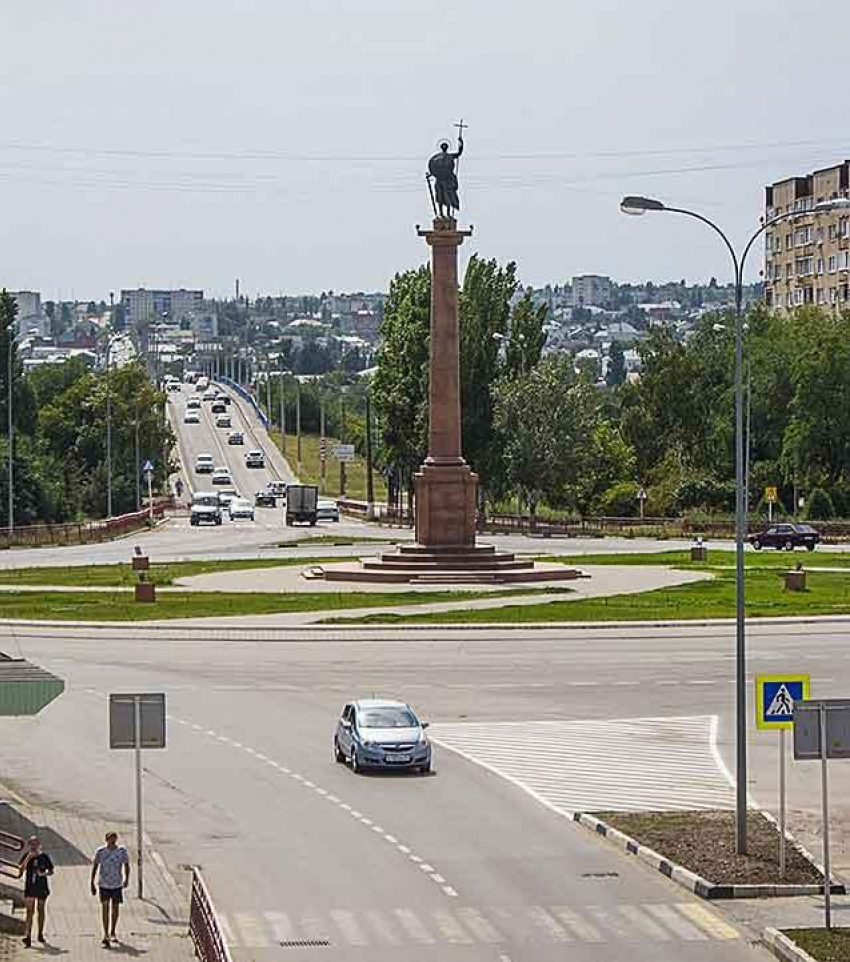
(36, 866)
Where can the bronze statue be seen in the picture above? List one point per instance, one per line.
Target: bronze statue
(442, 169)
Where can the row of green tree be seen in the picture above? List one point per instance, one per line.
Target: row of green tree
(59, 431)
(536, 428)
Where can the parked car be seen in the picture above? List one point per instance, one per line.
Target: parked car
(218, 407)
(236, 437)
(204, 464)
(265, 499)
(221, 476)
(372, 733)
(205, 508)
(192, 417)
(327, 510)
(223, 421)
(255, 459)
(194, 403)
(788, 536)
(240, 508)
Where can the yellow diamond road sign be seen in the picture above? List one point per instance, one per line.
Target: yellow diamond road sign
(775, 697)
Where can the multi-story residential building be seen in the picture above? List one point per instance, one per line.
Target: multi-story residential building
(807, 258)
(30, 316)
(142, 306)
(591, 290)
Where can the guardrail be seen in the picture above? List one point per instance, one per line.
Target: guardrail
(83, 532)
(246, 396)
(204, 929)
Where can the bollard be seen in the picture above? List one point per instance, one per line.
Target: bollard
(146, 591)
(795, 580)
(699, 552)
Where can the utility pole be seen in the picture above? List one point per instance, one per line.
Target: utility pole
(298, 423)
(323, 446)
(138, 464)
(108, 433)
(341, 440)
(11, 334)
(282, 414)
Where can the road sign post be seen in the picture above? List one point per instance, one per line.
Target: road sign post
(137, 721)
(821, 732)
(148, 469)
(771, 496)
(776, 696)
(641, 496)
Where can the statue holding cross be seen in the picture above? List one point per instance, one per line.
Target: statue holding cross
(442, 169)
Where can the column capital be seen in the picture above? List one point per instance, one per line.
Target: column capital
(444, 233)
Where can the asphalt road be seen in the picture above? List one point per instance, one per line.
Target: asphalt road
(465, 864)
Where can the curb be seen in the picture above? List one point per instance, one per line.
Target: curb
(784, 948)
(693, 882)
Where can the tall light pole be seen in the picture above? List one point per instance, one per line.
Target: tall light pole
(11, 426)
(108, 433)
(642, 205)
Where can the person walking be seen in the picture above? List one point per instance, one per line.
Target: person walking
(36, 866)
(113, 865)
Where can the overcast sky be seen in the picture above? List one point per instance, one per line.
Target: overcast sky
(189, 142)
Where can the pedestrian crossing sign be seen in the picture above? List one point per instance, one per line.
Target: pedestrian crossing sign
(775, 697)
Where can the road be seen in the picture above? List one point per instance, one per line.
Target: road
(467, 864)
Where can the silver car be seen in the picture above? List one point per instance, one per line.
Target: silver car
(373, 733)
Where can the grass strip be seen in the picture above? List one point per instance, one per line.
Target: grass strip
(828, 594)
(717, 559)
(123, 576)
(120, 606)
(825, 945)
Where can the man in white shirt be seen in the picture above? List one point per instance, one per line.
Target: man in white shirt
(113, 863)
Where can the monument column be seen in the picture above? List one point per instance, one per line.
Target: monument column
(445, 487)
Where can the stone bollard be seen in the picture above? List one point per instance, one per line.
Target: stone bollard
(795, 580)
(699, 552)
(146, 591)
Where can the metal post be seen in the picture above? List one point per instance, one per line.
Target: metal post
(747, 451)
(138, 464)
(782, 803)
(11, 428)
(740, 608)
(150, 496)
(323, 446)
(269, 391)
(370, 489)
(137, 703)
(298, 422)
(108, 434)
(827, 876)
(342, 478)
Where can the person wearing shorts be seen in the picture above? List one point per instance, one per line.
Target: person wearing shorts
(110, 869)
(36, 866)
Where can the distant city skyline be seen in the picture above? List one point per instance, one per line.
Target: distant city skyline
(170, 146)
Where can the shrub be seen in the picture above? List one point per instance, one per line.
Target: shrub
(620, 501)
(820, 507)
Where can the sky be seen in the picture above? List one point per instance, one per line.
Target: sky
(187, 143)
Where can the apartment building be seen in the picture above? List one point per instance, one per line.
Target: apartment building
(142, 306)
(591, 290)
(807, 258)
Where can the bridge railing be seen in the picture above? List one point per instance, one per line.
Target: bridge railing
(204, 929)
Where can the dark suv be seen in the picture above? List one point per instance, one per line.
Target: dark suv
(787, 536)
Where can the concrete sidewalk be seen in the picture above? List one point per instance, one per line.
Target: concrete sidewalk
(156, 927)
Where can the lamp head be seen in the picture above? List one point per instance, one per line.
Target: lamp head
(639, 205)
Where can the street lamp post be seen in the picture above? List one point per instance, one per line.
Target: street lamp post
(642, 205)
(11, 427)
(108, 433)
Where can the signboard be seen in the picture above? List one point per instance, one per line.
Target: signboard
(775, 698)
(642, 494)
(122, 721)
(771, 495)
(343, 452)
(147, 467)
(807, 733)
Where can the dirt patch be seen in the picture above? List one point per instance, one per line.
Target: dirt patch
(704, 843)
(831, 945)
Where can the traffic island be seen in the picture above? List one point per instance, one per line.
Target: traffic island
(809, 945)
(697, 850)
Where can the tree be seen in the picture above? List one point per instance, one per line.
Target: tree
(820, 507)
(23, 408)
(616, 373)
(527, 337)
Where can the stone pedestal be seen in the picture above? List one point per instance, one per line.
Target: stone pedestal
(445, 505)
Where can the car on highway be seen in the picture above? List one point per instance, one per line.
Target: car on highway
(255, 459)
(221, 476)
(210, 394)
(788, 536)
(172, 386)
(265, 499)
(327, 510)
(236, 437)
(227, 497)
(205, 509)
(223, 421)
(224, 398)
(204, 464)
(277, 488)
(192, 417)
(241, 508)
(374, 733)
(194, 403)
(218, 407)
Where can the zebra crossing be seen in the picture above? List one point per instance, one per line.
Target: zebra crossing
(624, 764)
(682, 922)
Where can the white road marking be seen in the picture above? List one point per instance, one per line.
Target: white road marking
(347, 924)
(451, 930)
(281, 926)
(674, 922)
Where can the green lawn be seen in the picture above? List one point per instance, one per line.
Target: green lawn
(822, 945)
(355, 472)
(123, 576)
(716, 559)
(828, 594)
(120, 606)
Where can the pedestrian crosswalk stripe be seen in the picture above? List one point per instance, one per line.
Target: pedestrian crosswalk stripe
(641, 921)
(708, 921)
(631, 764)
(676, 923)
(499, 925)
(414, 928)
